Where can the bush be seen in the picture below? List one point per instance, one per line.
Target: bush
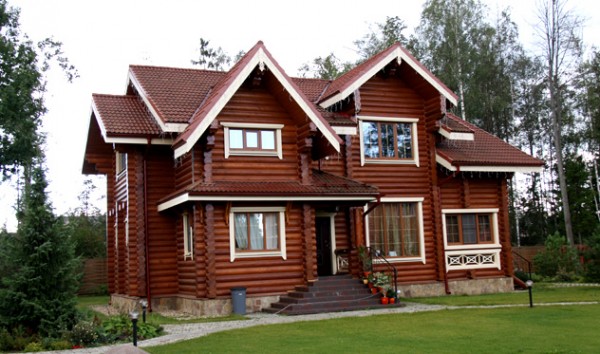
(120, 328)
(592, 257)
(83, 333)
(558, 261)
(34, 347)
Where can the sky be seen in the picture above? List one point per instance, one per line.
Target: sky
(102, 38)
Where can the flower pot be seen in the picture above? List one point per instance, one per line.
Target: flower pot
(392, 300)
(384, 300)
(373, 291)
(365, 281)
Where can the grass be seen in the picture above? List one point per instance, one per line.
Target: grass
(547, 329)
(542, 329)
(542, 293)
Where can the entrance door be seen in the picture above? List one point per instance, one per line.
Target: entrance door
(324, 260)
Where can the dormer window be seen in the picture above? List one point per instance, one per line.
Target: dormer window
(388, 140)
(252, 139)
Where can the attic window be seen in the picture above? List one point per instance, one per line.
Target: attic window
(250, 139)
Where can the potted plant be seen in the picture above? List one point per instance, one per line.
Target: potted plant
(391, 296)
(365, 260)
(385, 300)
(382, 280)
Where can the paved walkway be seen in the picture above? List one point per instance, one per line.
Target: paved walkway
(175, 333)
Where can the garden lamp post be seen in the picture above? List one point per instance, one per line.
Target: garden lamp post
(144, 304)
(134, 319)
(529, 284)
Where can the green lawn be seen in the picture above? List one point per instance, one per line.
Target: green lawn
(543, 329)
(542, 293)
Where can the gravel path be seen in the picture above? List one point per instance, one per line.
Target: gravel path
(175, 333)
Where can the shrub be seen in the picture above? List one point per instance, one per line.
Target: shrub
(120, 328)
(34, 347)
(592, 257)
(558, 259)
(83, 333)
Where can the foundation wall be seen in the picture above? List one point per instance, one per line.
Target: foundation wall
(458, 287)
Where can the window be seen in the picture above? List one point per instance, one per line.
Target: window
(121, 162)
(395, 230)
(252, 139)
(188, 236)
(389, 141)
(471, 228)
(468, 228)
(257, 232)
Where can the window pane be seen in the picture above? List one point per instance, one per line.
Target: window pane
(469, 229)
(387, 140)
(376, 229)
(267, 138)
(252, 139)
(409, 221)
(272, 230)
(404, 131)
(371, 140)
(241, 231)
(485, 231)
(236, 139)
(256, 231)
(394, 232)
(452, 230)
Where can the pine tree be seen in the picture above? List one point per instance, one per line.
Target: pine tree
(39, 292)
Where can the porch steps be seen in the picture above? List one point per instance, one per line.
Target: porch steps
(328, 294)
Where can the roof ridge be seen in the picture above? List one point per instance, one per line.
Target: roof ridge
(176, 68)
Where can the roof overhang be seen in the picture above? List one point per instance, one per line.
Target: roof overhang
(187, 197)
(125, 139)
(261, 59)
(400, 55)
(456, 135)
(486, 168)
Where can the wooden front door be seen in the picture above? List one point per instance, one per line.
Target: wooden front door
(323, 234)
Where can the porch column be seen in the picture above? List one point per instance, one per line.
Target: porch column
(211, 248)
(308, 242)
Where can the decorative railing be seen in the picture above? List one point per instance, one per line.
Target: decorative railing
(472, 259)
(521, 263)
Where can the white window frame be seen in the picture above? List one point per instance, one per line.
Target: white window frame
(188, 236)
(236, 152)
(120, 165)
(495, 236)
(281, 252)
(415, 141)
(419, 201)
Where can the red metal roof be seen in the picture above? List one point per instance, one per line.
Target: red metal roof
(124, 115)
(484, 150)
(173, 92)
(322, 184)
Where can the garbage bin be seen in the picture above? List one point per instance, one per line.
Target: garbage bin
(238, 300)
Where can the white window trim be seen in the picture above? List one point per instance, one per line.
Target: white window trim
(277, 253)
(415, 141)
(188, 249)
(419, 201)
(496, 239)
(278, 145)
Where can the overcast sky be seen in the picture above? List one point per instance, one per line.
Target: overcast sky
(101, 38)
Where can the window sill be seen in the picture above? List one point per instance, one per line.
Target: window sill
(490, 246)
(243, 255)
(400, 260)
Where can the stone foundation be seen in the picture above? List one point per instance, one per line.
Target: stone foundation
(192, 306)
(459, 287)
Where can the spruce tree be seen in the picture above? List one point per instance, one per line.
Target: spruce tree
(39, 293)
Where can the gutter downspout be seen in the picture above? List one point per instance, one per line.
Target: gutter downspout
(439, 191)
(146, 241)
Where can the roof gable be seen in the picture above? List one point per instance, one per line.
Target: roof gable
(228, 86)
(346, 84)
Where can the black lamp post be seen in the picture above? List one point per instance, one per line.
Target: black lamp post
(144, 304)
(529, 284)
(134, 319)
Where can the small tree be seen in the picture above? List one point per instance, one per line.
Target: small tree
(558, 259)
(40, 291)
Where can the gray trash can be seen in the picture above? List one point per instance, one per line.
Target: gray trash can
(238, 300)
